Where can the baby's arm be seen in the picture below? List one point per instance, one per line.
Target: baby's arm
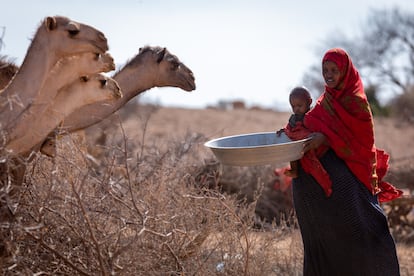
(280, 131)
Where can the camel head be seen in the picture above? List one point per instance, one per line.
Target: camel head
(91, 89)
(165, 68)
(81, 64)
(65, 36)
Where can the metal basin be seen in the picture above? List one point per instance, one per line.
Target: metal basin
(256, 149)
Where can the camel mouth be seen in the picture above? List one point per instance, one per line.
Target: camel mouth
(190, 86)
(102, 44)
(101, 48)
(186, 82)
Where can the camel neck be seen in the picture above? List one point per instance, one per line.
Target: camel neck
(133, 82)
(27, 82)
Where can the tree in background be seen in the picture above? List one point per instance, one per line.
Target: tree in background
(384, 54)
(387, 48)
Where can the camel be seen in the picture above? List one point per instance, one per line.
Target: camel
(49, 73)
(12, 170)
(153, 66)
(55, 38)
(86, 90)
(64, 72)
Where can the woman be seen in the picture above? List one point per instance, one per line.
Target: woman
(346, 233)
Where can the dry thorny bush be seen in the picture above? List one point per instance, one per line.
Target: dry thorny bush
(142, 211)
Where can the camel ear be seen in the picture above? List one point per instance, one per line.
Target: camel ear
(161, 55)
(50, 23)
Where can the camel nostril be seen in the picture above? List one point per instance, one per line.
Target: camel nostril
(103, 82)
(118, 93)
(97, 56)
(84, 78)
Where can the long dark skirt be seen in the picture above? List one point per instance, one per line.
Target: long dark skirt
(347, 233)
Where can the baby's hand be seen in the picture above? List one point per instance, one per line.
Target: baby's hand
(279, 132)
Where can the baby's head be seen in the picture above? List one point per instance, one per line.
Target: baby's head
(300, 100)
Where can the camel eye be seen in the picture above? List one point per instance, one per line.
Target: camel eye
(73, 32)
(103, 82)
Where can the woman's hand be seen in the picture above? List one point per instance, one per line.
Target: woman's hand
(317, 140)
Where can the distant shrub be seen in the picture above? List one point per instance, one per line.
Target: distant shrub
(402, 106)
(376, 107)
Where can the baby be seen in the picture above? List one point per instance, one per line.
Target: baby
(300, 100)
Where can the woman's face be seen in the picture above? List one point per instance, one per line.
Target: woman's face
(331, 74)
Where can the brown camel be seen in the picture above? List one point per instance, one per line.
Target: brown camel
(55, 38)
(12, 170)
(57, 41)
(66, 71)
(86, 90)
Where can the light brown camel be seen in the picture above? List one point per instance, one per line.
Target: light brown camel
(153, 66)
(55, 38)
(65, 71)
(86, 90)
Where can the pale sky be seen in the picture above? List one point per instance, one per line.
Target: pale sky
(254, 51)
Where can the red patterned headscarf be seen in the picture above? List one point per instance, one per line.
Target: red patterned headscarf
(344, 116)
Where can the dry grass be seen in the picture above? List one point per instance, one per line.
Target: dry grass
(153, 201)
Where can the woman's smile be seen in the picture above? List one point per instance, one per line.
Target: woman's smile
(331, 74)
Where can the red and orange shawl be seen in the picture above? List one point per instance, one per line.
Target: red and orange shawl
(344, 116)
(310, 160)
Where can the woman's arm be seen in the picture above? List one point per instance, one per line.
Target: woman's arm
(317, 140)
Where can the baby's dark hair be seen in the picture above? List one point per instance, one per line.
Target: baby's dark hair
(302, 92)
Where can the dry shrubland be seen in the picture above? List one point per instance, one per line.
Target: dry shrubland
(150, 199)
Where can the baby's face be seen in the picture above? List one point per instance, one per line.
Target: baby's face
(299, 105)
